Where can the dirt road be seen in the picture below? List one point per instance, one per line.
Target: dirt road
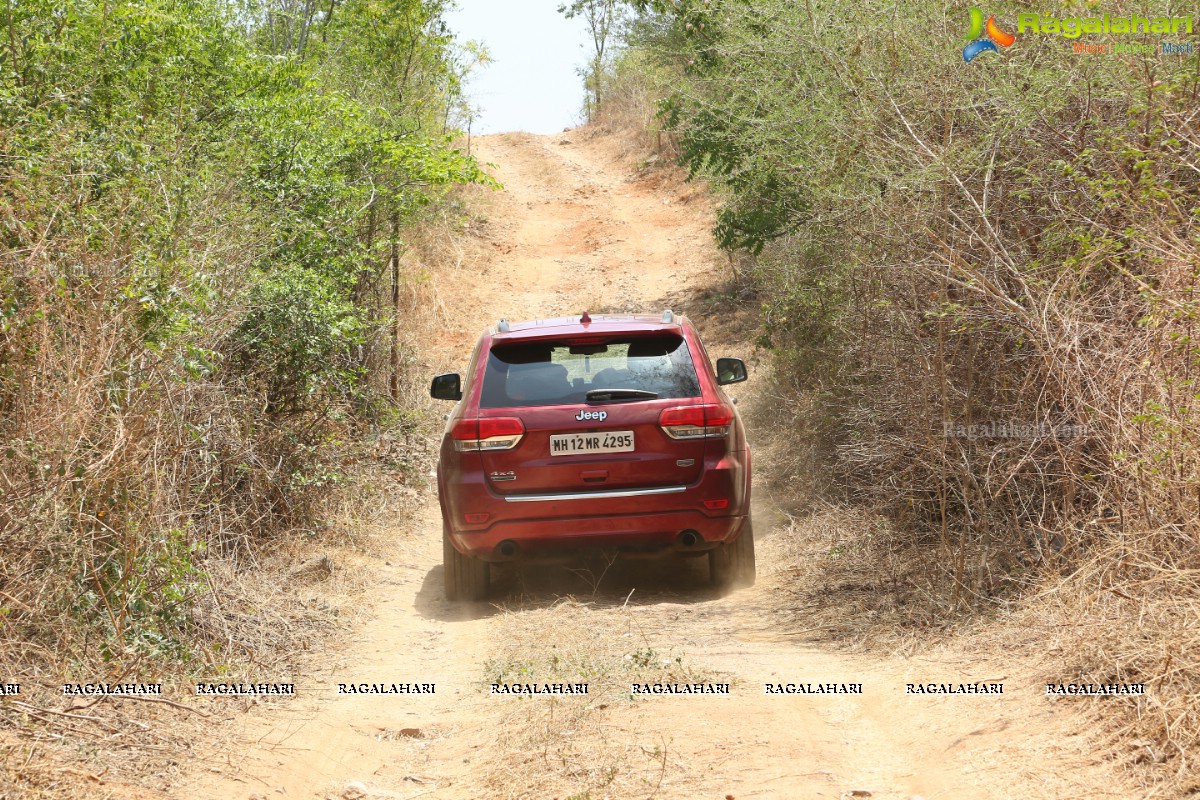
(577, 228)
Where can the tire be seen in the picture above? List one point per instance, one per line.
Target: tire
(731, 566)
(465, 578)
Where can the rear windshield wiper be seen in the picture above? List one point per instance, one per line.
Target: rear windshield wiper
(603, 395)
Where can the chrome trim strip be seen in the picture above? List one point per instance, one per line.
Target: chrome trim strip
(542, 498)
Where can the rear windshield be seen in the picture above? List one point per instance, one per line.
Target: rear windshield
(555, 373)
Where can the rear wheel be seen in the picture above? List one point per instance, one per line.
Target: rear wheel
(466, 578)
(731, 565)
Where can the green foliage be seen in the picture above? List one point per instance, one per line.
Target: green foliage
(144, 597)
(200, 198)
(298, 338)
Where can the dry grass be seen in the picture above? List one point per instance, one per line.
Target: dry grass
(151, 518)
(452, 241)
(630, 108)
(911, 313)
(1133, 623)
(1123, 610)
(252, 623)
(851, 579)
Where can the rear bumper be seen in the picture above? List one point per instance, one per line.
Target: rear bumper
(644, 521)
(641, 534)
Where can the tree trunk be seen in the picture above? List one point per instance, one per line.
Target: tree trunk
(395, 380)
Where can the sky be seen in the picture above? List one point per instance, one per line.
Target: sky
(532, 84)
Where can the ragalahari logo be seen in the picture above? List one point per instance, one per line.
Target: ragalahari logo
(984, 36)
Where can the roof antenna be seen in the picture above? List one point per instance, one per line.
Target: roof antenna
(668, 317)
(503, 326)
(585, 319)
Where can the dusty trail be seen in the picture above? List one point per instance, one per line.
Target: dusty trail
(575, 229)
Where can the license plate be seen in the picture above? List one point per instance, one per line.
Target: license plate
(573, 444)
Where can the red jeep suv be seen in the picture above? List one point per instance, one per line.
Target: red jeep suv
(608, 432)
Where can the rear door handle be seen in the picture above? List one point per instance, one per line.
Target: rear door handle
(594, 475)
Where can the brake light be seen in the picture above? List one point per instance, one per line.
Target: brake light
(487, 433)
(465, 429)
(717, 416)
(711, 420)
(677, 417)
(491, 427)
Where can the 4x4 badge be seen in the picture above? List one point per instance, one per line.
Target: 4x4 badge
(600, 415)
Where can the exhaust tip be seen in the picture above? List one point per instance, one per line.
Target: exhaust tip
(689, 538)
(507, 548)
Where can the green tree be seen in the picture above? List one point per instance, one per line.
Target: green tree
(602, 18)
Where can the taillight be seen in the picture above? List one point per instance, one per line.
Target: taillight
(487, 433)
(696, 422)
(493, 427)
(716, 416)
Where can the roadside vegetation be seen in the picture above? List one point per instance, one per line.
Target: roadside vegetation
(204, 207)
(977, 285)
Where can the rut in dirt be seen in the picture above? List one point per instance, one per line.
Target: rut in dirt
(577, 228)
